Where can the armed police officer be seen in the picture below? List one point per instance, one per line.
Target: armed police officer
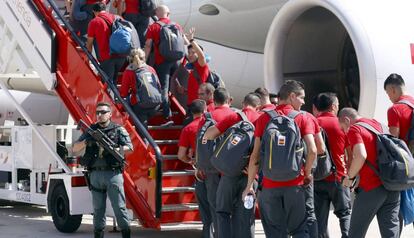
(105, 168)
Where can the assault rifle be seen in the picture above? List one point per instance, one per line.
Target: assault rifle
(104, 141)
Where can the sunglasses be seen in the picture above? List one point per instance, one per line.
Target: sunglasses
(101, 112)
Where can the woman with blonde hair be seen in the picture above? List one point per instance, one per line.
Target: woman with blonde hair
(140, 82)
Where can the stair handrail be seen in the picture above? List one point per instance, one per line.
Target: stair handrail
(143, 131)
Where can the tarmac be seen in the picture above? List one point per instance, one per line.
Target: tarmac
(18, 220)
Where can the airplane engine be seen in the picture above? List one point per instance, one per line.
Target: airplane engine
(348, 47)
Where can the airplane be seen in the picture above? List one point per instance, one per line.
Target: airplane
(330, 45)
(348, 47)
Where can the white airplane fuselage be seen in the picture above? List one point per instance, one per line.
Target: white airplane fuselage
(348, 47)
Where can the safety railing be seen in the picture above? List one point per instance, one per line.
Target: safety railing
(53, 10)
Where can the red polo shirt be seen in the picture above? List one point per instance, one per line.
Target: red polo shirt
(400, 115)
(232, 119)
(188, 135)
(210, 105)
(99, 30)
(131, 6)
(128, 83)
(266, 107)
(194, 83)
(357, 134)
(315, 123)
(218, 114)
(305, 127)
(153, 33)
(337, 143)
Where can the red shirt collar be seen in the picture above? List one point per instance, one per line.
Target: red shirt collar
(284, 107)
(326, 114)
(222, 106)
(404, 97)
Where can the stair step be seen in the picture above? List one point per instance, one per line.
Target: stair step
(193, 225)
(177, 127)
(166, 142)
(180, 207)
(169, 157)
(178, 189)
(178, 173)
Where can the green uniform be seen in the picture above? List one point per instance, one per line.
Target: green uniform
(106, 176)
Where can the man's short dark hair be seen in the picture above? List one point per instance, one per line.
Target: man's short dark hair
(99, 7)
(221, 96)
(252, 99)
(324, 101)
(190, 46)
(103, 104)
(395, 80)
(197, 106)
(262, 92)
(290, 86)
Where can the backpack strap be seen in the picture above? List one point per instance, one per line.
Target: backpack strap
(406, 102)
(372, 129)
(376, 132)
(161, 23)
(272, 113)
(242, 115)
(328, 149)
(293, 114)
(208, 115)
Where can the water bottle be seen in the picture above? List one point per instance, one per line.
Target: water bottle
(249, 201)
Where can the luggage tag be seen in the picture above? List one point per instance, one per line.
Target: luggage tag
(281, 140)
(235, 140)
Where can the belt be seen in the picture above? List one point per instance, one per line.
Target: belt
(105, 169)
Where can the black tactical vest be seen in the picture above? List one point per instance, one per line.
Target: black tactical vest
(92, 147)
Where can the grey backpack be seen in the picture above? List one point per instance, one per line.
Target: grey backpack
(395, 162)
(282, 148)
(171, 45)
(232, 154)
(205, 148)
(148, 88)
(324, 164)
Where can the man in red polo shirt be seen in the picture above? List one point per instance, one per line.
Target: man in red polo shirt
(233, 219)
(264, 99)
(163, 67)
(221, 112)
(199, 73)
(282, 203)
(327, 190)
(399, 114)
(205, 92)
(186, 151)
(371, 198)
(130, 10)
(81, 14)
(99, 30)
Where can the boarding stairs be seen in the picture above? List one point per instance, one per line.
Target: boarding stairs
(158, 187)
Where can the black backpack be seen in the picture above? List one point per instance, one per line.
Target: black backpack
(232, 154)
(147, 7)
(148, 88)
(395, 162)
(213, 78)
(171, 45)
(410, 134)
(282, 148)
(205, 148)
(324, 164)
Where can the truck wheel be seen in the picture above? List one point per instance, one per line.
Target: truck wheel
(62, 219)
